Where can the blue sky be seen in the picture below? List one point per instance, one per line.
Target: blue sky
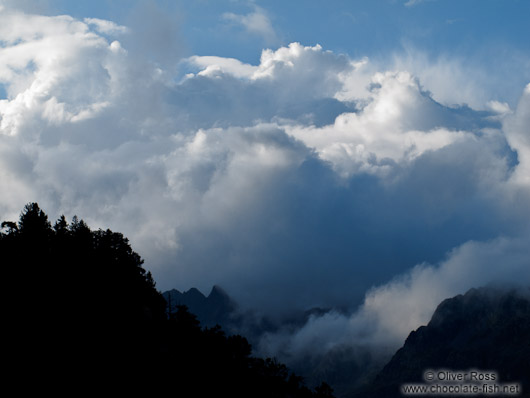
(358, 28)
(367, 155)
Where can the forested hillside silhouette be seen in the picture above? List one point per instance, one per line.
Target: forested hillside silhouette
(82, 312)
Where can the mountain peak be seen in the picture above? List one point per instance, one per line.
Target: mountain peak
(218, 292)
(216, 308)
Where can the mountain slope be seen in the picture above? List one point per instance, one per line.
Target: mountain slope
(486, 329)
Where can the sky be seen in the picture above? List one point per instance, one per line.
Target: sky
(369, 156)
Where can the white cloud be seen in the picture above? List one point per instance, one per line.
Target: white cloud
(388, 128)
(211, 65)
(42, 64)
(256, 22)
(106, 27)
(294, 62)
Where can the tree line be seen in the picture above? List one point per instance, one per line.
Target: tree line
(82, 313)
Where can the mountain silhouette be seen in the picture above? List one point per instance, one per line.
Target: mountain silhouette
(486, 330)
(215, 309)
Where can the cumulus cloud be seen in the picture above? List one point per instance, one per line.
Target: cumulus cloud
(242, 94)
(41, 71)
(400, 123)
(302, 181)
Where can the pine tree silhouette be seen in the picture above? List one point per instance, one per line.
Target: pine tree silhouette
(84, 313)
